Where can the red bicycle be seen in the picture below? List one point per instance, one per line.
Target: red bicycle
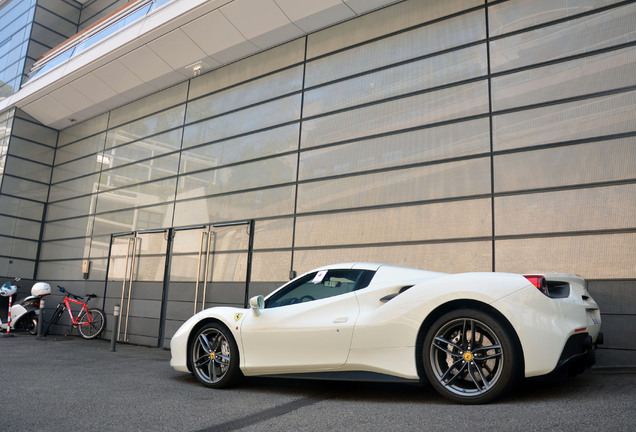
(90, 322)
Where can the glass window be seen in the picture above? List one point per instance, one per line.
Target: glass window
(146, 148)
(239, 177)
(148, 105)
(425, 40)
(13, 227)
(71, 208)
(515, 15)
(385, 21)
(24, 188)
(399, 80)
(424, 145)
(587, 75)
(253, 146)
(592, 209)
(250, 119)
(570, 254)
(564, 166)
(65, 249)
(83, 130)
(148, 126)
(249, 93)
(73, 188)
(591, 32)
(140, 172)
(68, 228)
(449, 220)
(136, 196)
(320, 285)
(20, 167)
(606, 115)
(259, 64)
(31, 151)
(151, 217)
(441, 181)
(428, 108)
(12, 206)
(238, 206)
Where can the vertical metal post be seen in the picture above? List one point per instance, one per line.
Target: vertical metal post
(40, 319)
(113, 338)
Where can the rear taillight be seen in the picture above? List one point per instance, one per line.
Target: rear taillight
(36, 303)
(539, 282)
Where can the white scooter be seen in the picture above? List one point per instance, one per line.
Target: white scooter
(24, 313)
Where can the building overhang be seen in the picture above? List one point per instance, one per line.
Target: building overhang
(176, 42)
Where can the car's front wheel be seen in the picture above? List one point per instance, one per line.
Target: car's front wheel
(469, 357)
(214, 356)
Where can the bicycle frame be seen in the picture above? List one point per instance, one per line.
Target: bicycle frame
(67, 304)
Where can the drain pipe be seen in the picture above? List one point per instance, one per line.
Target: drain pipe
(113, 338)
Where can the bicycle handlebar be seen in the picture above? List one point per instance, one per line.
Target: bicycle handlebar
(75, 296)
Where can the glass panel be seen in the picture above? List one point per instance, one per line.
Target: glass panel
(73, 188)
(562, 166)
(83, 130)
(427, 108)
(24, 188)
(148, 170)
(259, 64)
(65, 249)
(239, 177)
(240, 206)
(249, 93)
(18, 248)
(133, 219)
(399, 80)
(59, 270)
(22, 168)
(80, 167)
(21, 208)
(456, 179)
(403, 46)
(612, 209)
(424, 145)
(31, 151)
(555, 254)
(587, 118)
(273, 234)
(145, 127)
(149, 104)
(515, 15)
(88, 146)
(250, 119)
(461, 219)
(270, 267)
(77, 227)
(383, 22)
(71, 208)
(593, 74)
(240, 149)
(34, 132)
(136, 196)
(13, 227)
(453, 257)
(17, 267)
(585, 34)
(144, 149)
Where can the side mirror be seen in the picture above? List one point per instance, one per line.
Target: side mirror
(257, 303)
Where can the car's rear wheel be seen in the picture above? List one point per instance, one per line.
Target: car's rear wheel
(469, 357)
(214, 356)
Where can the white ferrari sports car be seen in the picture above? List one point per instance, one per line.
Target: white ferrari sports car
(471, 335)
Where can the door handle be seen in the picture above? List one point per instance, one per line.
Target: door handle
(341, 320)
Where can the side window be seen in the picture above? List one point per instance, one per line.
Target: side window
(320, 285)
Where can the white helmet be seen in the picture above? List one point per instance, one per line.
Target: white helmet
(41, 289)
(8, 289)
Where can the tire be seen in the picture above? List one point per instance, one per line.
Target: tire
(93, 327)
(214, 356)
(31, 324)
(470, 358)
(54, 318)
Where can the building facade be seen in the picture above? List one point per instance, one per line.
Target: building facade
(453, 136)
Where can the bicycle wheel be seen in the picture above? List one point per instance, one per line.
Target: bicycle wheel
(91, 324)
(56, 316)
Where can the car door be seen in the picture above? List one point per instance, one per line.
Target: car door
(306, 326)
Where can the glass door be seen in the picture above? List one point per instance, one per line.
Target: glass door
(136, 273)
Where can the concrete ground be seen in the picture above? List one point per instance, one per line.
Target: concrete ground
(67, 383)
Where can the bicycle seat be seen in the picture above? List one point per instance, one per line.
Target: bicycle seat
(90, 296)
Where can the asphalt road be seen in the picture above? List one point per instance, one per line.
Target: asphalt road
(67, 383)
